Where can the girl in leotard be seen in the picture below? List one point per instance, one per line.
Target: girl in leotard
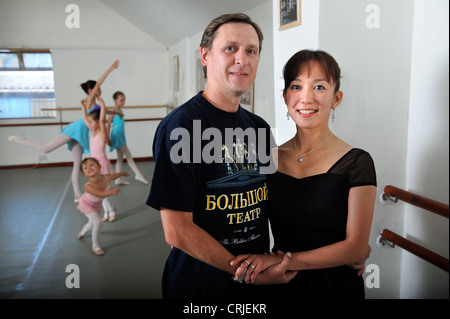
(95, 121)
(91, 202)
(76, 134)
(118, 141)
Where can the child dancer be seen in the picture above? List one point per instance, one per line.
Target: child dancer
(118, 140)
(96, 124)
(76, 134)
(90, 202)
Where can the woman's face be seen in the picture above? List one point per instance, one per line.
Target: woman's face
(310, 97)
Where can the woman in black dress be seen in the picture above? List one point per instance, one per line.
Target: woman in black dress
(323, 194)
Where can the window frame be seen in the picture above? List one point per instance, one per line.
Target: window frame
(22, 68)
(20, 53)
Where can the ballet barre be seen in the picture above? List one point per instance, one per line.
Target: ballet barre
(394, 194)
(66, 123)
(123, 107)
(389, 238)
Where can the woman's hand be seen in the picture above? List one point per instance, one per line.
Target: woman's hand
(278, 273)
(254, 265)
(359, 266)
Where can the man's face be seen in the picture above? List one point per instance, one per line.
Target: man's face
(233, 59)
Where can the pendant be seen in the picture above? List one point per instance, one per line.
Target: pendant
(300, 159)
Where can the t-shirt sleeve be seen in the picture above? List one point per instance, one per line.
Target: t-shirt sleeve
(174, 183)
(362, 171)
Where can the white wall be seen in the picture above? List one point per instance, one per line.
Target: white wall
(83, 54)
(428, 149)
(376, 69)
(285, 44)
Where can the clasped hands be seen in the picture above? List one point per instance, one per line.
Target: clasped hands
(273, 268)
(264, 269)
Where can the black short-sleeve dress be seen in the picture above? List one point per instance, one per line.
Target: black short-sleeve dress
(311, 212)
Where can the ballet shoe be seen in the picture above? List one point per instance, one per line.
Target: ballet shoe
(82, 232)
(98, 251)
(141, 179)
(14, 138)
(112, 215)
(76, 200)
(121, 182)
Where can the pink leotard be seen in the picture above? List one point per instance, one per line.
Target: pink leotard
(97, 148)
(91, 204)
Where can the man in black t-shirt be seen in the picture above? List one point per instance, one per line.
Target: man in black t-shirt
(210, 159)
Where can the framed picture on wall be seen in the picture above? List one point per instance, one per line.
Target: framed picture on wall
(200, 75)
(176, 73)
(289, 14)
(247, 99)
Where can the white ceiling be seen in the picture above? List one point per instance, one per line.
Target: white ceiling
(169, 21)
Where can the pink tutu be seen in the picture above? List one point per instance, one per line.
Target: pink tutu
(90, 204)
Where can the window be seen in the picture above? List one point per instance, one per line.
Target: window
(26, 84)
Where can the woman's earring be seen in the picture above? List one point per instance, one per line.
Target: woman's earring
(332, 116)
(288, 115)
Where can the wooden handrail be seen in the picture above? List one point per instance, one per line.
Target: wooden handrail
(124, 107)
(416, 249)
(417, 200)
(65, 123)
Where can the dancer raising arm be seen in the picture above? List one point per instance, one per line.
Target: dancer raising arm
(76, 134)
(118, 141)
(95, 121)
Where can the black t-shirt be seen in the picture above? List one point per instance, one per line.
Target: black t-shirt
(209, 162)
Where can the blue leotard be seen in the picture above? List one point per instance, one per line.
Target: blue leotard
(118, 133)
(79, 132)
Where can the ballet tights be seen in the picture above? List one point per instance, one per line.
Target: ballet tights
(94, 224)
(110, 211)
(77, 154)
(120, 152)
(60, 140)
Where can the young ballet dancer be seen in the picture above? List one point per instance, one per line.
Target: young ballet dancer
(95, 121)
(76, 134)
(118, 141)
(91, 201)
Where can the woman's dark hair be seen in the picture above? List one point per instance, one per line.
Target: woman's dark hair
(90, 84)
(304, 57)
(117, 94)
(85, 160)
(210, 32)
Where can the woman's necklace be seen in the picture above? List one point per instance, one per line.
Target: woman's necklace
(301, 156)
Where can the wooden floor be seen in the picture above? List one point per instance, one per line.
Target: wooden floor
(39, 224)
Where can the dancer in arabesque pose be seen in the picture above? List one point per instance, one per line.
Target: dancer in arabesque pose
(76, 134)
